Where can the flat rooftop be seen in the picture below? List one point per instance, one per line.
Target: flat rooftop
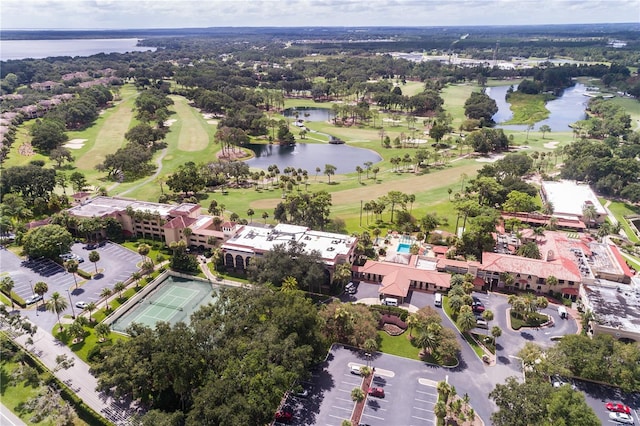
(569, 197)
(615, 305)
(252, 239)
(103, 206)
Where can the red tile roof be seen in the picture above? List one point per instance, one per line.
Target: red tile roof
(397, 277)
(179, 222)
(564, 269)
(621, 261)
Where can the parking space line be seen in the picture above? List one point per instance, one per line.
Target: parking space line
(342, 408)
(426, 393)
(344, 399)
(422, 418)
(424, 400)
(423, 409)
(371, 415)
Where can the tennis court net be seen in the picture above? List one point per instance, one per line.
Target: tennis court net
(165, 305)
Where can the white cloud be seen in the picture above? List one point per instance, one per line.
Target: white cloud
(190, 13)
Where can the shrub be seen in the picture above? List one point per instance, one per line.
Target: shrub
(399, 312)
(392, 319)
(84, 274)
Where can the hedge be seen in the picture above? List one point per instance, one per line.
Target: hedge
(16, 299)
(392, 319)
(399, 312)
(84, 412)
(84, 274)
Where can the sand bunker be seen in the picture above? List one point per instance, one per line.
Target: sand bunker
(490, 159)
(168, 123)
(75, 143)
(214, 122)
(552, 145)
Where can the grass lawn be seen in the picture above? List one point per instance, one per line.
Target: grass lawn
(620, 210)
(528, 108)
(17, 392)
(90, 341)
(476, 348)
(398, 345)
(193, 135)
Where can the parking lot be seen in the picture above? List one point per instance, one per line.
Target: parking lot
(409, 392)
(116, 263)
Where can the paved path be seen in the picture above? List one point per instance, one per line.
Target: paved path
(78, 378)
(7, 418)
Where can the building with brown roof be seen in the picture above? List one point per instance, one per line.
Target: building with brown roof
(396, 279)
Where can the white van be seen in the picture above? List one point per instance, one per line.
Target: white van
(390, 301)
(438, 300)
(562, 311)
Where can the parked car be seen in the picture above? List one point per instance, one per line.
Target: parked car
(301, 392)
(618, 408)
(621, 418)
(283, 416)
(33, 299)
(477, 305)
(558, 381)
(482, 323)
(378, 392)
(81, 304)
(355, 369)
(350, 288)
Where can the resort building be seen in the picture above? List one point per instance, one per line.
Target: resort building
(569, 199)
(250, 241)
(158, 221)
(402, 273)
(571, 261)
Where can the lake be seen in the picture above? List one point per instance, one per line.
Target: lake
(310, 156)
(563, 111)
(38, 49)
(308, 113)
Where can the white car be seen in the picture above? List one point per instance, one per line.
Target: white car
(621, 418)
(81, 304)
(33, 299)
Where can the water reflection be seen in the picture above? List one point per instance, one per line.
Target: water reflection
(310, 156)
(563, 111)
(308, 113)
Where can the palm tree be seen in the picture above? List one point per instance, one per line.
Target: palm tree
(250, 213)
(102, 331)
(370, 345)
(455, 303)
(552, 281)
(508, 279)
(72, 267)
(329, 170)
(94, 257)
(518, 305)
(106, 292)
(6, 286)
(429, 338)
(440, 410)
(41, 289)
(143, 250)
(119, 286)
(487, 315)
(91, 306)
(289, 284)
(77, 331)
(136, 277)
(357, 395)
(265, 216)
(57, 304)
(412, 321)
(466, 320)
(495, 333)
(589, 214)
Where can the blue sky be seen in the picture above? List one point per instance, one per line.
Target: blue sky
(108, 14)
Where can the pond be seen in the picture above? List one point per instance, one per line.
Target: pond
(308, 113)
(310, 156)
(563, 111)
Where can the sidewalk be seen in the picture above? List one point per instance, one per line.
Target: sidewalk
(8, 418)
(78, 378)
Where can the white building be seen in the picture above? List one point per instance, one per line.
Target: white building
(570, 198)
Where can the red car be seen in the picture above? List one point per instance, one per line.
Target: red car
(618, 408)
(283, 416)
(379, 392)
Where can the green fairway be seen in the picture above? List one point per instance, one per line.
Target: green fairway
(620, 210)
(107, 134)
(193, 132)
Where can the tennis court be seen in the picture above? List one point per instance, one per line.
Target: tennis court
(173, 300)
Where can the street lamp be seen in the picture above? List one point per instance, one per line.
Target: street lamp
(73, 312)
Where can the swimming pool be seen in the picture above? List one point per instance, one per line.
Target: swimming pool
(403, 248)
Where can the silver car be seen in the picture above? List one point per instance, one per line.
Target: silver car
(621, 418)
